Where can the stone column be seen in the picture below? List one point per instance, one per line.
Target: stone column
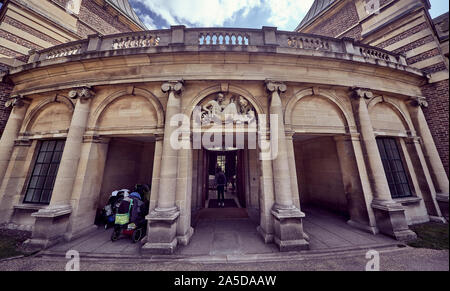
(11, 133)
(51, 222)
(162, 221)
(436, 168)
(288, 225)
(390, 215)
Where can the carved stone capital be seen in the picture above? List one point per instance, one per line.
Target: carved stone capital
(419, 101)
(16, 101)
(83, 93)
(358, 93)
(278, 87)
(172, 86)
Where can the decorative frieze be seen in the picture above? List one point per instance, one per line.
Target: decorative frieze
(226, 107)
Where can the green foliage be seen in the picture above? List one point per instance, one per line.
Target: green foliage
(431, 236)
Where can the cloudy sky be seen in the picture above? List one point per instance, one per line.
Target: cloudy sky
(285, 14)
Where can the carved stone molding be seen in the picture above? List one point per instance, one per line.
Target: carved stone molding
(225, 107)
(419, 101)
(361, 93)
(278, 87)
(172, 86)
(82, 93)
(17, 100)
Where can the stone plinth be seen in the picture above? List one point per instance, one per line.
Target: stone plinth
(391, 220)
(50, 226)
(162, 230)
(288, 228)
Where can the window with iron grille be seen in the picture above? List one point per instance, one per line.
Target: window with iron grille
(42, 179)
(394, 168)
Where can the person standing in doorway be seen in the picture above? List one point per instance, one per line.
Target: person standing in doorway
(221, 182)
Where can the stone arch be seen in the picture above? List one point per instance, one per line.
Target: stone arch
(61, 101)
(132, 91)
(395, 120)
(217, 89)
(330, 99)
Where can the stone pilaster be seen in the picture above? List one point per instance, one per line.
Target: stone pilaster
(88, 181)
(352, 177)
(184, 190)
(19, 106)
(431, 155)
(162, 220)
(266, 196)
(288, 227)
(389, 215)
(292, 168)
(51, 222)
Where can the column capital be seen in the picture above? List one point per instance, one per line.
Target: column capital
(419, 101)
(17, 101)
(274, 86)
(364, 93)
(82, 93)
(172, 86)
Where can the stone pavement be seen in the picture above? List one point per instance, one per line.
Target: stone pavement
(401, 259)
(234, 239)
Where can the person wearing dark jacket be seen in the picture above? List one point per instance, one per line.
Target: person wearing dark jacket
(221, 181)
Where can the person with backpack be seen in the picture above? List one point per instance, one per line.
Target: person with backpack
(221, 182)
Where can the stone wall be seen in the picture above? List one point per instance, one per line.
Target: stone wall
(437, 117)
(128, 163)
(319, 174)
(411, 34)
(345, 18)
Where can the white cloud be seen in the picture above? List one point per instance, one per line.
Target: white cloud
(146, 19)
(209, 13)
(199, 12)
(283, 12)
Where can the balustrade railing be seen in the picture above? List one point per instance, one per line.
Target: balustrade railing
(217, 37)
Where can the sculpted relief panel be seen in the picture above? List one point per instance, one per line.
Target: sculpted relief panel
(226, 108)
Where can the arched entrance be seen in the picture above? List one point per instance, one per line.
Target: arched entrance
(224, 126)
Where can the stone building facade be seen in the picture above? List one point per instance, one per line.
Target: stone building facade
(325, 121)
(40, 24)
(399, 26)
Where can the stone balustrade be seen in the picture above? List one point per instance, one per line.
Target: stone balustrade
(267, 38)
(64, 50)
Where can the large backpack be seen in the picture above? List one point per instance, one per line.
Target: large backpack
(124, 210)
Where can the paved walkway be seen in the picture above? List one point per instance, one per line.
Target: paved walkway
(234, 237)
(404, 259)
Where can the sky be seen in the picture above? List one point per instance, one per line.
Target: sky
(284, 14)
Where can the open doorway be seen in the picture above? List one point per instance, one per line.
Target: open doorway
(128, 168)
(241, 169)
(230, 163)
